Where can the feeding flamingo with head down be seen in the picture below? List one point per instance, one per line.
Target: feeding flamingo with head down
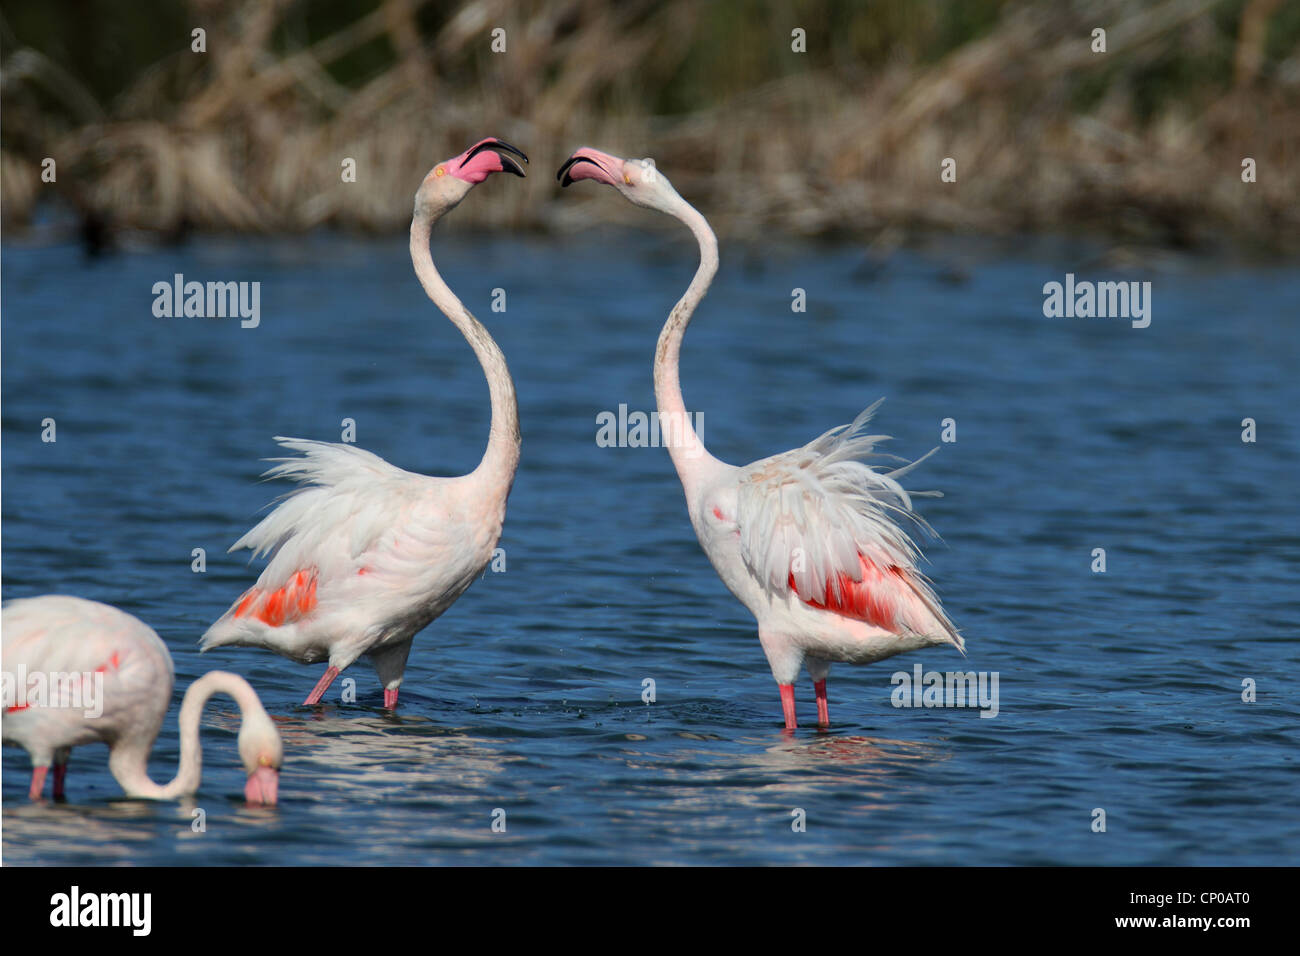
(364, 555)
(59, 640)
(807, 539)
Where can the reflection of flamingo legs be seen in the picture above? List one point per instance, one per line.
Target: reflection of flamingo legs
(805, 539)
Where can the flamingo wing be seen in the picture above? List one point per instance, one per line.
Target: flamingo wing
(65, 634)
(120, 664)
(819, 522)
(348, 501)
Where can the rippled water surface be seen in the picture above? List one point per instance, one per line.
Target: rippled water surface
(1120, 691)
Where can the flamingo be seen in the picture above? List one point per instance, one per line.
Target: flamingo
(61, 643)
(807, 539)
(364, 555)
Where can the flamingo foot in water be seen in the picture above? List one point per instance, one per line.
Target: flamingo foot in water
(60, 775)
(390, 699)
(823, 707)
(322, 685)
(38, 782)
(787, 705)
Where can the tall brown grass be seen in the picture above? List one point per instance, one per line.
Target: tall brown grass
(1046, 134)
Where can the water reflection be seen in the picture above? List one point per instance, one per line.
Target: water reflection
(116, 831)
(525, 696)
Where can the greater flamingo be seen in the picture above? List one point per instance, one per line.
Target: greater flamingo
(805, 539)
(99, 675)
(365, 555)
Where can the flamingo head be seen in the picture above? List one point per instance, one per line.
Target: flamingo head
(714, 510)
(637, 179)
(451, 180)
(261, 753)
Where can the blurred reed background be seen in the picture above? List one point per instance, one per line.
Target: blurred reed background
(1143, 142)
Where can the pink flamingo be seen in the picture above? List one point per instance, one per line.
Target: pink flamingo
(54, 649)
(805, 539)
(365, 555)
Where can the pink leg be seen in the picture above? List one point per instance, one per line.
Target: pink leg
(60, 775)
(823, 708)
(322, 686)
(390, 699)
(38, 782)
(787, 705)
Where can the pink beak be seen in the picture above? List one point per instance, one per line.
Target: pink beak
(588, 163)
(485, 157)
(262, 785)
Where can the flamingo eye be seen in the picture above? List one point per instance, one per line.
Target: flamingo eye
(440, 171)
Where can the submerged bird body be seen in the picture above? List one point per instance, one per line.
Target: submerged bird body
(86, 657)
(364, 555)
(807, 539)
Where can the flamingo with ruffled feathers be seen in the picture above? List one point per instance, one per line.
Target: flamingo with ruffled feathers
(807, 540)
(364, 555)
(80, 672)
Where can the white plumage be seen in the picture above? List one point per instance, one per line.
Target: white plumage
(388, 550)
(809, 540)
(825, 504)
(363, 555)
(114, 677)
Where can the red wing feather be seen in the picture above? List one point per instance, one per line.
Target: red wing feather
(877, 599)
(283, 606)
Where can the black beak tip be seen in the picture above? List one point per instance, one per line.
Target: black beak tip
(506, 152)
(511, 149)
(563, 174)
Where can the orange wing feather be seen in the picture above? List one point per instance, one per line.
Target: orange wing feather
(877, 599)
(284, 605)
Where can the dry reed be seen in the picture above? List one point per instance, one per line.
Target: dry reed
(246, 138)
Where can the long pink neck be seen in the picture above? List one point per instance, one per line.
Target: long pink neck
(689, 456)
(129, 760)
(502, 455)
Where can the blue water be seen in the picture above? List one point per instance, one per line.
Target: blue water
(1119, 690)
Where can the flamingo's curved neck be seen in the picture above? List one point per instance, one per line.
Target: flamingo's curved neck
(689, 456)
(502, 454)
(129, 765)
